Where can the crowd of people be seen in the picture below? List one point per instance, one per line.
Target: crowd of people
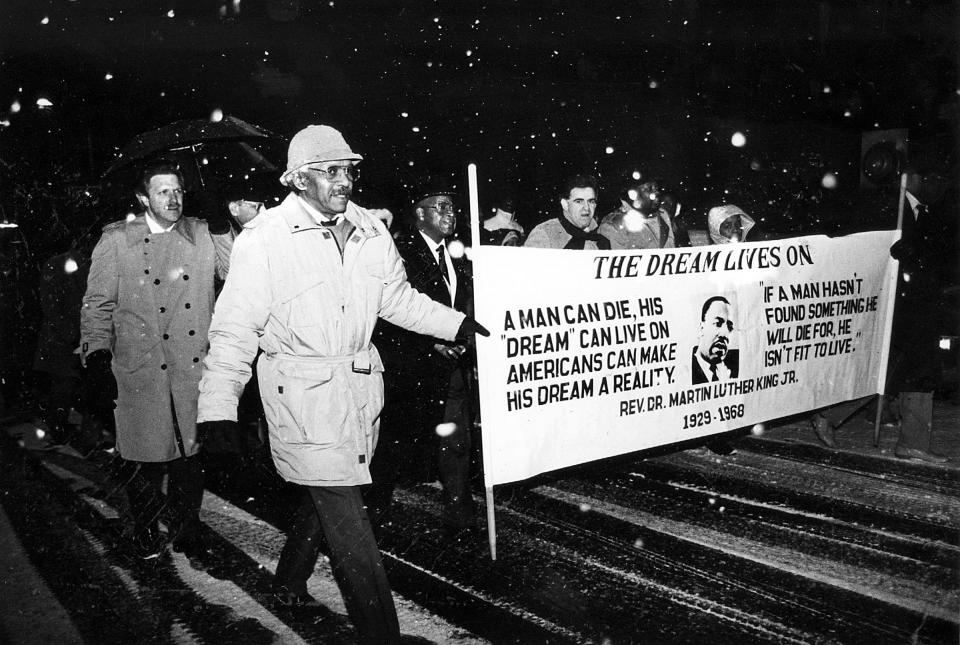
(361, 344)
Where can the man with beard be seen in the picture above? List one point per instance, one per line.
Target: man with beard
(575, 227)
(426, 416)
(713, 360)
(307, 286)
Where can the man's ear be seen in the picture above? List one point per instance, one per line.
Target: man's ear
(298, 181)
(144, 200)
(234, 208)
(563, 203)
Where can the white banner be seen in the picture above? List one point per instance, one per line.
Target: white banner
(600, 353)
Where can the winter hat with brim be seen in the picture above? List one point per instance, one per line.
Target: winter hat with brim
(316, 144)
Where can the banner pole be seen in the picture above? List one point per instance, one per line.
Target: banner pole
(888, 324)
(475, 243)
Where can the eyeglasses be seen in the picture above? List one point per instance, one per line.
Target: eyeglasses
(333, 172)
(443, 207)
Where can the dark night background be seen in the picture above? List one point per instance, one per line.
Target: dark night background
(529, 90)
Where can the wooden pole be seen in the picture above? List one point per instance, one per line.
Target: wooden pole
(475, 237)
(888, 326)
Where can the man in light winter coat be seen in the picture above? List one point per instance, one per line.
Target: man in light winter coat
(145, 315)
(306, 286)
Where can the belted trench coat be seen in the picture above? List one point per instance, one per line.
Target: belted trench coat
(312, 312)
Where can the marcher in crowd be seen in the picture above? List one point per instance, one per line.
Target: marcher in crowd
(575, 227)
(728, 224)
(306, 287)
(642, 221)
(145, 314)
(914, 367)
(504, 215)
(427, 416)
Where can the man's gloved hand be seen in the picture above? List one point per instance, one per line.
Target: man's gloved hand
(219, 437)
(907, 253)
(99, 376)
(469, 327)
(218, 223)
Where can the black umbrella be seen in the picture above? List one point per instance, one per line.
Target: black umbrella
(213, 156)
(184, 133)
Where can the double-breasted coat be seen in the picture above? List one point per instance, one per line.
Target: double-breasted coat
(149, 300)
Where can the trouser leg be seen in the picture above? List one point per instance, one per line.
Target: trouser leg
(302, 548)
(185, 495)
(453, 457)
(143, 484)
(356, 563)
(916, 419)
(840, 413)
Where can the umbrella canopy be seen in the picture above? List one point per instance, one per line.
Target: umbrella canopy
(184, 133)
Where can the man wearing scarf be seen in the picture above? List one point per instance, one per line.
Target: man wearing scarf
(575, 227)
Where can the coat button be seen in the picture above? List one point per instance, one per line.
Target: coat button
(163, 366)
(156, 281)
(163, 309)
(186, 306)
(146, 240)
(196, 360)
(147, 271)
(186, 277)
(166, 337)
(191, 333)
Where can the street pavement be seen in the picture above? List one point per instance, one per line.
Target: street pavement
(782, 541)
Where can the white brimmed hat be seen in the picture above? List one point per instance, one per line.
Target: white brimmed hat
(315, 144)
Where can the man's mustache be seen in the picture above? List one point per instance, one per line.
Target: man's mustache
(342, 192)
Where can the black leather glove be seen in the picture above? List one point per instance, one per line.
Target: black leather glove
(469, 327)
(99, 377)
(218, 223)
(219, 437)
(907, 253)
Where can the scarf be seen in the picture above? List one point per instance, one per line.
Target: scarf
(578, 236)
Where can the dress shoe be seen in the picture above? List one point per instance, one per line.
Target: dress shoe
(920, 455)
(721, 447)
(823, 430)
(293, 600)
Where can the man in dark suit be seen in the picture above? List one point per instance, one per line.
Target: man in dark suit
(926, 245)
(712, 359)
(426, 416)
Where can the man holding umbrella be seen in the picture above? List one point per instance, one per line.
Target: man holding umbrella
(145, 315)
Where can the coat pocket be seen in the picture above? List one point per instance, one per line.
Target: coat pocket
(312, 408)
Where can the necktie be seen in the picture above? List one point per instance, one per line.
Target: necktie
(443, 263)
(664, 233)
(921, 210)
(713, 372)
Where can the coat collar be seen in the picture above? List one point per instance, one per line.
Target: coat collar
(298, 219)
(137, 229)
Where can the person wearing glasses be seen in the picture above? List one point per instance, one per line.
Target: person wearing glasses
(147, 305)
(306, 287)
(575, 227)
(426, 418)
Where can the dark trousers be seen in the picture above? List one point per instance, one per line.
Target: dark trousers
(143, 481)
(337, 513)
(915, 412)
(426, 455)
